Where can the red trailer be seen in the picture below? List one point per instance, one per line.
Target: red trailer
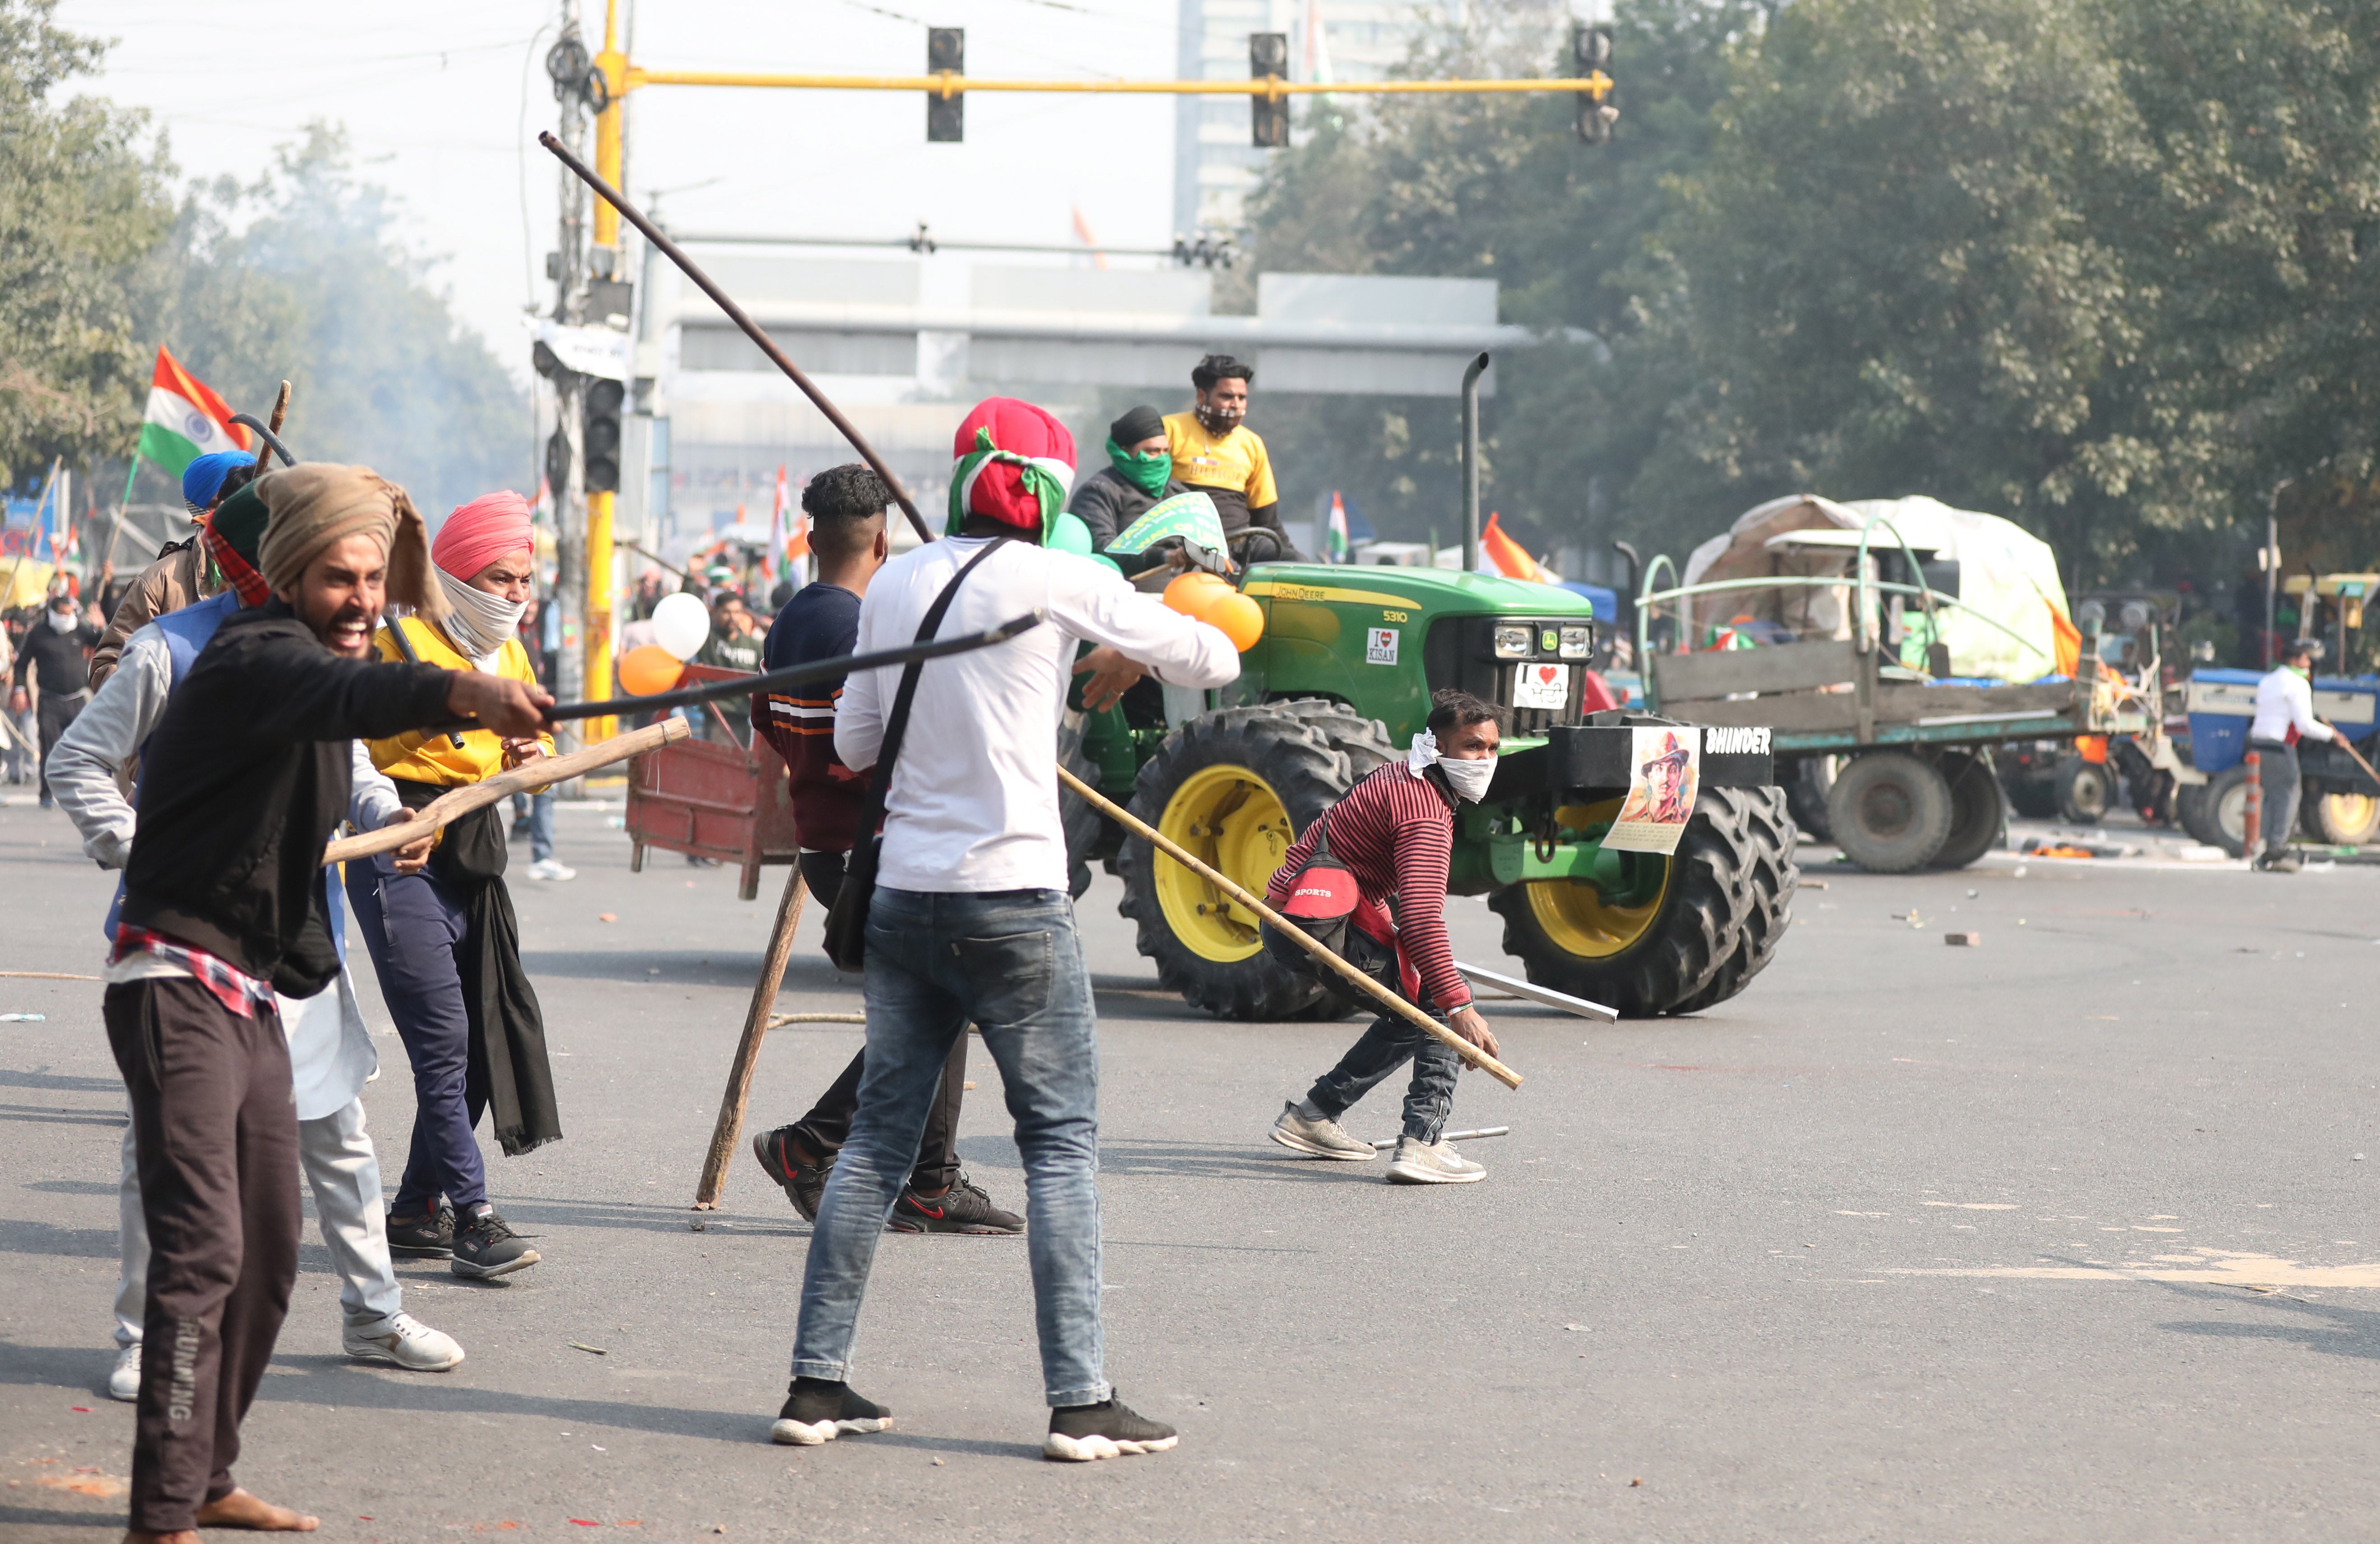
(721, 797)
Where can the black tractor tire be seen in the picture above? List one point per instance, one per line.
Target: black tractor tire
(1365, 744)
(1805, 786)
(2084, 790)
(2342, 819)
(2222, 811)
(1891, 811)
(1773, 875)
(1698, 928)
(2190, 812)
(1286, 748)
(2031, 793)
(1978, 823)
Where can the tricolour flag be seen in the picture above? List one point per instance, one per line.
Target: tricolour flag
(1341, 549)
(186, 419)
(776, 531)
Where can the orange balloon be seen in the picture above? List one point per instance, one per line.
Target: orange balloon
(1237, 618)
(1195, 590)
(648, 668)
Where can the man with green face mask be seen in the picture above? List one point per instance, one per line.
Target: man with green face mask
(2284, 715)
(1139, 472)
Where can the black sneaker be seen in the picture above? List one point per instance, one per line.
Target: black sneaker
(963, 1208)
(817, 1411)
(802, 1183)
(485, 1246)
(1081, 1432)
(432, 1234)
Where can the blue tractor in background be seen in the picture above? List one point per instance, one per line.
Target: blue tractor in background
(2341, 804)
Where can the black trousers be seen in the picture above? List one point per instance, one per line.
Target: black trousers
(215, 1130)
(1385, 1047)
(57, 711)
(823, 1130)
(2277, 774)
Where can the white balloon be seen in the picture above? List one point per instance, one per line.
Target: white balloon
(682, 625)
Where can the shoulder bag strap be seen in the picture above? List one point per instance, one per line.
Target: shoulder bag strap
(896, 722)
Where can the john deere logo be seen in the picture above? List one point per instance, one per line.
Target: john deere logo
(1550, 640)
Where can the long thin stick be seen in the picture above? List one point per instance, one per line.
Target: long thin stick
(1356, 977)
(2341, 744)
(752, 330)
(729, 1128)
(528, 777)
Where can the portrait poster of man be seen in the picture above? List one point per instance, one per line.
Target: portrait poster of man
(1661, 788)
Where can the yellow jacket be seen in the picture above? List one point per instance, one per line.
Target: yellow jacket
(433, 757)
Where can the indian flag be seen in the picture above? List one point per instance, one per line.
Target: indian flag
(185, 419)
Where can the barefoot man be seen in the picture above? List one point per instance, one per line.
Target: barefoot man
(223, 905)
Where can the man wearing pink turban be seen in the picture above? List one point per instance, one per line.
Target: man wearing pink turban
(443, 938)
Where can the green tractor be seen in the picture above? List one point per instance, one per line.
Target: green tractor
(1338, 684)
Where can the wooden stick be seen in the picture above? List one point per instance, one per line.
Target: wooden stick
(729, 1128)
(776, 1021)
(751, 329)
(528, 777)
(1356, 977)
(2341, 744)
(280, 411)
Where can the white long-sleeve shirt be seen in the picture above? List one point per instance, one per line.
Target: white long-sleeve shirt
(111, 727)
(974, 801)
(2285, 698)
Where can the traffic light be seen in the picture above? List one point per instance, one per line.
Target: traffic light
(602, 441)
(945, 116)
(1590, 52)
(1268, 116)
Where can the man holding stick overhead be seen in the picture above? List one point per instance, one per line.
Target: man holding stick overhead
(1396, 832)
(444, 940)
(244, 780)
(969, 918)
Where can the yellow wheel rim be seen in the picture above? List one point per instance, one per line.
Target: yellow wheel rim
(1231, 819)
(2351, 813)
(1575, 917)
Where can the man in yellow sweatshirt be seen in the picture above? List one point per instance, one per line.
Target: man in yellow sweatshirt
(442, 937)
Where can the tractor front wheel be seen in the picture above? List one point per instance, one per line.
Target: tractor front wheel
(1237, 787)
(2344, 820)
(1891, 811)
(1685, 932)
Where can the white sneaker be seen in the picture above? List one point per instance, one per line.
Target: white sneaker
(1424, 1163)
(548, 869)
(123, 1378)
(1318, 1138)
(403, 1341)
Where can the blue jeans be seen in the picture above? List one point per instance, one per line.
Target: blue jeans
(1012, 963)
(1430, 1097)
(540, 815)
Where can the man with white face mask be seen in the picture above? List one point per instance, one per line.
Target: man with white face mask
(1396, 832)
(444, 941)
(56, 654)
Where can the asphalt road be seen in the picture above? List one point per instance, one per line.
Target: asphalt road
(2059, 1237)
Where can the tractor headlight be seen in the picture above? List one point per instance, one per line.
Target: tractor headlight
(1511, 643)
(1577, 643)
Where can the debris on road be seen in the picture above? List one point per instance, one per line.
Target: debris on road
(582, 1346)
(1963, 940)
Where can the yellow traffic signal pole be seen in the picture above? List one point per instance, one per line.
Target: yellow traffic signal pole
(620, 78)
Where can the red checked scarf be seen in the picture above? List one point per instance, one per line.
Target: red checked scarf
(235, 989)
(245, 580)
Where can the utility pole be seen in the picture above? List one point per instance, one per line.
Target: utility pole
(567, 65)
(612, 68)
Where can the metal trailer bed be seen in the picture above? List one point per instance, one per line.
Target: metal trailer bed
(1918, 791)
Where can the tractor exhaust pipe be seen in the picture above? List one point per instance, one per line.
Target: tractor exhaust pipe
(1471, 373)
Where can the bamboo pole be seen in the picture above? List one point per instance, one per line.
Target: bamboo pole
(729, 1128)
(528, 777)
(1356, 977)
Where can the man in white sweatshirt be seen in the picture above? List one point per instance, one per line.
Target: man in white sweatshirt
(971, 921)
(331, 1054)
(2284, 702)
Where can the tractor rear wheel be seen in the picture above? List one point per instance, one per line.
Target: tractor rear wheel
(1689, 930)
(2223, 811)
(1975, 816)
(1237, 787)
(1891, 811)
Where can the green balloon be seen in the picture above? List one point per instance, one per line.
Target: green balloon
(1068, 534)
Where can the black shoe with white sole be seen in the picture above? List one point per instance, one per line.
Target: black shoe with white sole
(1080, 1433)
(817, 1411)
(486, 1246)
(430, 1236)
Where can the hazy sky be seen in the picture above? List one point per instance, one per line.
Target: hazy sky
(443, 104)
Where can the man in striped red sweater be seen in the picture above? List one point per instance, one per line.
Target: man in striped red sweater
(1396, 832)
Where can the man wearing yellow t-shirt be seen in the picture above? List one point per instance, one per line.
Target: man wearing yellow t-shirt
(1219, 456)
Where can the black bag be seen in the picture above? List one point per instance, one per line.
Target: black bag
(846, 920)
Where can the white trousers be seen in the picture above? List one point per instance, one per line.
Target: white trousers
(344, 1171)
